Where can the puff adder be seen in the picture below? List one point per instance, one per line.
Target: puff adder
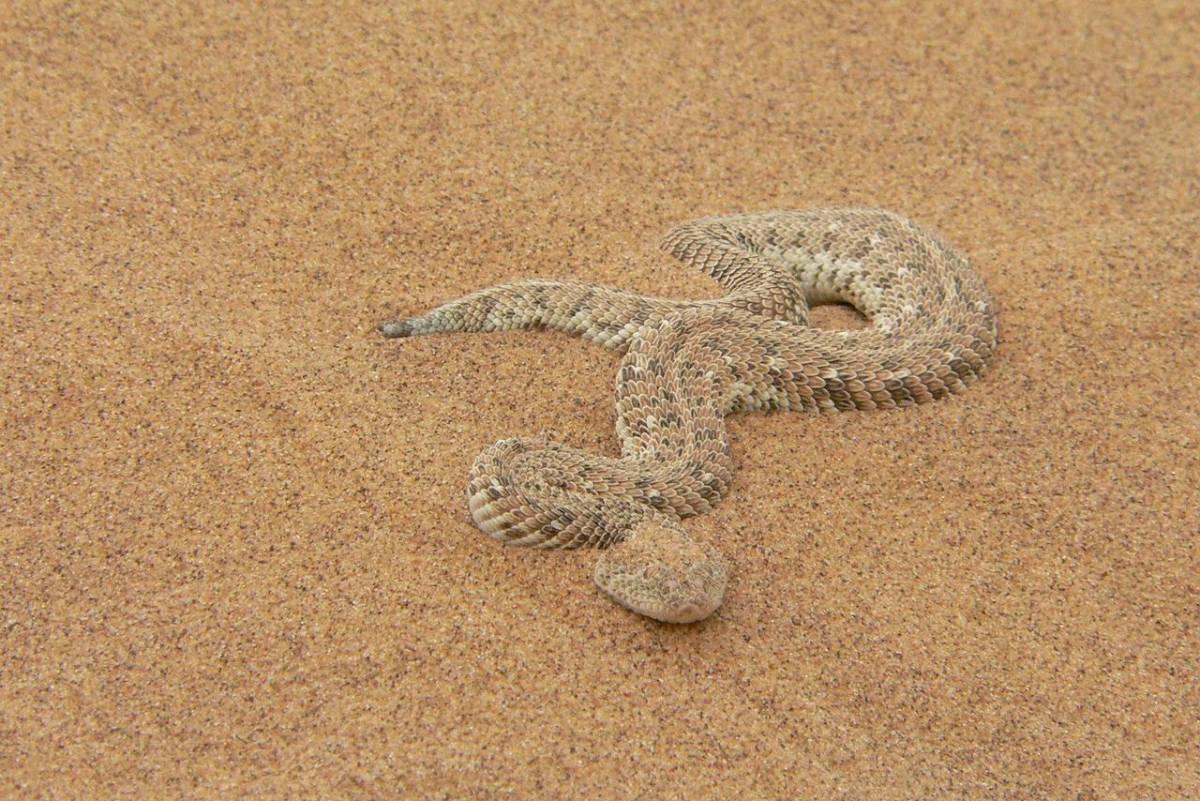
(687, 364)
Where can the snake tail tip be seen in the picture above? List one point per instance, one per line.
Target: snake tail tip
(396, 328)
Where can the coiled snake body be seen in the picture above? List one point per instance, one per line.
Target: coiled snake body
(687, 364)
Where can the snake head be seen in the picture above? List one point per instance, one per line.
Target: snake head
(661, 572)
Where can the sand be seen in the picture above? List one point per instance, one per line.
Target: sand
(236, 560)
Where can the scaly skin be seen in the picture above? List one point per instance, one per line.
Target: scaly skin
(687, 364)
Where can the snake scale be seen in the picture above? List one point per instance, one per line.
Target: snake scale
(688, 363)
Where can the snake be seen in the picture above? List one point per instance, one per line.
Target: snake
(931, 332)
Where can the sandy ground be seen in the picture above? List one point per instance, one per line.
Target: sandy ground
(236, 561)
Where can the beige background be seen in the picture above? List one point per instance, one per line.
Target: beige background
(235, 557)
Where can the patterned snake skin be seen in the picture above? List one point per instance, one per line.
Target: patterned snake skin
(687, 364)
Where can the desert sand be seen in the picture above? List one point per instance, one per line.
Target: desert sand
(236, 560)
